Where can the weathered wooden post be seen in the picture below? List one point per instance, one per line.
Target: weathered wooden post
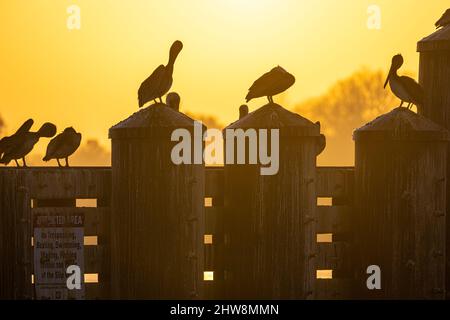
(434, 76)
(400, 207)
(269, 221)
(157, 209)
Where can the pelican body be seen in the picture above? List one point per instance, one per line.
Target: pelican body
(7, 142)
(63, 145)
(271, 83)
(404, 88)
(24, 143)
(444, 20)
(160, 81)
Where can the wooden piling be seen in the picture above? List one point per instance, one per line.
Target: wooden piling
(269, 238)
(434, 76)
(157, 210)
(400, 206)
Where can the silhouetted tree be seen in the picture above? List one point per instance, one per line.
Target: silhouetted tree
(91, 153)
(347, 105)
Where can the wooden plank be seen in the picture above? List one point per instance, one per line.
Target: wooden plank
(65, 183)
(211, 219)
(336, 182)
(93, 259)
(334, 256)
(333, 219)
(333, 289)
(214, 182)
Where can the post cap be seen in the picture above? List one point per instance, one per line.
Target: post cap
(437, 41)
(157, 120)
(401, 124)
(274, 116)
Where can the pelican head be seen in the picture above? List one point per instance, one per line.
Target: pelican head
(175, 49)
(397, 62)
(173, 100)
(69, 130)
(243, 111)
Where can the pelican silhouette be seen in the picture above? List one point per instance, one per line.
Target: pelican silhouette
(271, 83)
(160, 81)
(444, 20)
(404, 88)
(173, 100)
(7, 142)
(24, 143)
(63, 145)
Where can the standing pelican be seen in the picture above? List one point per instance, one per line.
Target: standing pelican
(7, 142)
(63, 145)
(444, 20)
(24, 143)
(271, 83)
(404, 88)
(160, 81)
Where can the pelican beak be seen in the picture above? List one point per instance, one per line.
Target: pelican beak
(387, 79)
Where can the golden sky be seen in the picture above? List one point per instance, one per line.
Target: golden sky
(88, 78)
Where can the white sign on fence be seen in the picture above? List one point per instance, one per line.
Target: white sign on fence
(58, 243)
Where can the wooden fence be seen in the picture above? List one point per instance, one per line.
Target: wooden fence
(26, 192)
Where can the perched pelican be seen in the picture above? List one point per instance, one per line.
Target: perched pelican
(404, 88)
(63, 145)
(173, 100)
(160, 81)
(7, 142)
(243, 111)
(24, 143)
(271, 83)
(444, 20)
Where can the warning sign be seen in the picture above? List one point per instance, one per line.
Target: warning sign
(58, 244)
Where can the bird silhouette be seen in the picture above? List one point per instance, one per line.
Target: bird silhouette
(63, 145)
(404, 88)
(7, 142)
(444, 20)
(160, 81)
(24, 143)
(271, 83)
(173, 100)
(243, 111)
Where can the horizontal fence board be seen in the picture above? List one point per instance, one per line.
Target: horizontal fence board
(333, 289)
(333, 256)
(56, 183)
(336, 182)
(211, 219)
(214, 182)
(93, 259)
(93, 291)
(333, 219)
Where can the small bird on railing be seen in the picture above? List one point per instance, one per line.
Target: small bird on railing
(271, 83)
(173, 101)
(63, 145)
(7, 142)
(444, 20)
(24, 143)
(160, 81)
(404, 88)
